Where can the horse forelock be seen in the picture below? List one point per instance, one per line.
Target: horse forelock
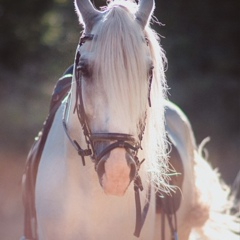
(121, 64)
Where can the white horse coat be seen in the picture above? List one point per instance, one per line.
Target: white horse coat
(115, 66)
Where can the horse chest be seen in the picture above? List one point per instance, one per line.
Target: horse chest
(106, 217)
(75, 203)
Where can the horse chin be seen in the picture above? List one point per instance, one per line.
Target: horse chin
(117, 173)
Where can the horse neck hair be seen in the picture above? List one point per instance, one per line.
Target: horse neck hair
(156, 146)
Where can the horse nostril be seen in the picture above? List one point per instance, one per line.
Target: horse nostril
(132, 165)
(101, 169)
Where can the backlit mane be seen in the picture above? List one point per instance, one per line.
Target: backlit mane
(119, 58)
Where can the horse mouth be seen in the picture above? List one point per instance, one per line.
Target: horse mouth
(116, 172)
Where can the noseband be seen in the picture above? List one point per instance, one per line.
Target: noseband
(112, 140)
(118, 141)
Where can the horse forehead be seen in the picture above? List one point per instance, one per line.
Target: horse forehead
(100, 34)
(104, 20)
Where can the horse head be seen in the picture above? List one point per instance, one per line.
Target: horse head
(113, 71)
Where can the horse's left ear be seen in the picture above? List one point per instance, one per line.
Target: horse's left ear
(88, 14)
(144, 12)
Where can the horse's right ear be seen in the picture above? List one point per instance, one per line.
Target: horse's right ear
(87, 13)
(145, 10)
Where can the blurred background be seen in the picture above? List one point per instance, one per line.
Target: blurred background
(38, 39)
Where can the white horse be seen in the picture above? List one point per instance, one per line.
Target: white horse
(113, 118)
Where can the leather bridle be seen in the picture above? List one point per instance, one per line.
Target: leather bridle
(113, 140)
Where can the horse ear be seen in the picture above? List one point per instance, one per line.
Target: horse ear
(88, 15)
(144, 12)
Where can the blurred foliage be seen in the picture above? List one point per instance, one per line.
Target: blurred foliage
(21, 29)
(201, 34)
(201, 38)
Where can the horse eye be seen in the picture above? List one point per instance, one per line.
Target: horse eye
(83, 68)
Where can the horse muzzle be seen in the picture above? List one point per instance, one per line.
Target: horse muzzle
(116, 161)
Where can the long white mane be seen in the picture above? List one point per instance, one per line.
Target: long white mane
(157, 145)
(120, 65)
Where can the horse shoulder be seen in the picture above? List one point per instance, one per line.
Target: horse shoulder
(52, 183)
(179, 130)
(181, 135)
